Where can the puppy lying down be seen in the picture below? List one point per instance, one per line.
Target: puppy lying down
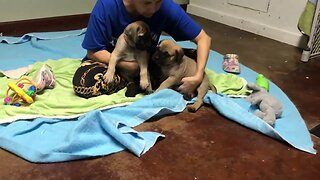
(174, 66)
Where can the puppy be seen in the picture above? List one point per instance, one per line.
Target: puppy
(175, 66)
(132, 45)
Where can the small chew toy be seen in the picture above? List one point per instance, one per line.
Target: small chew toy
(262, 82)
(18, 96)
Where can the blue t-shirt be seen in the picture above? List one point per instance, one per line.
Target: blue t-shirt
(110, 17)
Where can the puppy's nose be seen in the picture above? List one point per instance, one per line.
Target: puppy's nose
(155, 56)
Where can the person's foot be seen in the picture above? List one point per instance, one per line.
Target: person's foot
(44, 78)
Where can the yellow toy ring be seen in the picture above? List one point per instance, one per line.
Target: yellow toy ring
(20, 92)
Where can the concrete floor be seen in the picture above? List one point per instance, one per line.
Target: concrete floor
(206, 145)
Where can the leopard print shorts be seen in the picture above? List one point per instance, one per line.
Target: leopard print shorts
(88, 80)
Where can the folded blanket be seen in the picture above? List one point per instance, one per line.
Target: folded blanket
(16, 73)
(42, 36)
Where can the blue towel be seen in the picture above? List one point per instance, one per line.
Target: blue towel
(96, 133)
(21, 51)
(99, 133)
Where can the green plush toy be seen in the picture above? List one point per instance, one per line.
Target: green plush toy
(262, 82)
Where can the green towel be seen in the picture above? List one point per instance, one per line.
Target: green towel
(60, 101)
(228, 84)
(306, 18)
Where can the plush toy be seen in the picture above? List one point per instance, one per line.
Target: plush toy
(269, 107)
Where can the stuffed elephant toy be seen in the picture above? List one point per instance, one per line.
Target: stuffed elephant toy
(269, 107)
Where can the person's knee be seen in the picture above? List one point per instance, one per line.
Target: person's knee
(129, 67)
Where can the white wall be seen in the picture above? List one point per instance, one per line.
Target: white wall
(14, 10)
(278, 20)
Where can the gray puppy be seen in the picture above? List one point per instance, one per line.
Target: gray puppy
(132, 45)
(174, 66)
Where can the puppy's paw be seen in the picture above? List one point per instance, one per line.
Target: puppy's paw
(108, 77)
(149, 89)
(270, 121)
(260, 114)
(144, 84)
(192, 108)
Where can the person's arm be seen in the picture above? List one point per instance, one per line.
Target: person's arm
(204, 42)
(189, 84)
(104, 57)
(101, 56)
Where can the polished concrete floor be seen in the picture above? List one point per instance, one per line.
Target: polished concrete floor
(206, 145)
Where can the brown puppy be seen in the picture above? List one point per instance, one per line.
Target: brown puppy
(132, 45)
(175, 66)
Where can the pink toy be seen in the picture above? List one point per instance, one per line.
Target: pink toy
(231, 63)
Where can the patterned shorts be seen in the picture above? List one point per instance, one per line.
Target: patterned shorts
(88, 80)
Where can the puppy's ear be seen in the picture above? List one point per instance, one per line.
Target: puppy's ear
(179, 55)
(129, 32)
(140, 32)
(160, 42)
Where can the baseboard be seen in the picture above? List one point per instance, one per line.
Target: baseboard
(61, 23)
(274, 33)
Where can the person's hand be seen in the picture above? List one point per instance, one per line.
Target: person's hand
(189, 85)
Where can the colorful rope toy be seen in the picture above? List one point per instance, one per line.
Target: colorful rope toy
(20, 97)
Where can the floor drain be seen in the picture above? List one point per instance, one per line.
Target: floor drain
(316, 130)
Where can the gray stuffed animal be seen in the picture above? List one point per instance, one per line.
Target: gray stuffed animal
(269, 107)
